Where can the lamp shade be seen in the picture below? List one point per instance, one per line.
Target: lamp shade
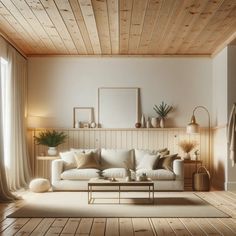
(193, 127)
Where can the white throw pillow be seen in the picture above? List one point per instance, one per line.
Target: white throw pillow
(88, 151)
(148, 162)
(69, 160)
(140, 153)
(117, 158)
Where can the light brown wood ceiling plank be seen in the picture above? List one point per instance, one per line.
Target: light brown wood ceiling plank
(219, 16)
(224, 30)
(137, 20)
(55, 17)
(7, 30)
(152, 12)
(201, 23)
(113, 14)
(18, 22)
(175, 20)
(125, 20)
(70, 21)
(89, 18)
(192, 13)
(80, 21)
(42, 16)
(38, 30)
(101, 16)
(161, 24)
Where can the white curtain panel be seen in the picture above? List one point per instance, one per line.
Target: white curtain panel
(18, 167)
(5, 194)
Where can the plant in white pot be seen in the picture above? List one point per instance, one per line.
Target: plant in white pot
(51, 139)
(162, 110)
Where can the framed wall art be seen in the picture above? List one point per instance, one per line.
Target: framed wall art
(118, 107)
(82, 117)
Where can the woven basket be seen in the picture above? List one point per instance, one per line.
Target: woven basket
(201, 180)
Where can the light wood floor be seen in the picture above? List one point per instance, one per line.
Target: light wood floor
(226, 201)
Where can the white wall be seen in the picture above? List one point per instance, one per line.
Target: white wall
(57, 84)
(231, 170)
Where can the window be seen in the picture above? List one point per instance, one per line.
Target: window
(5, 110)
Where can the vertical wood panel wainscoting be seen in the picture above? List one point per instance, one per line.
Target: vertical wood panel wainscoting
(117, 138)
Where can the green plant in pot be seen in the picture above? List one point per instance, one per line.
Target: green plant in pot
(162, 110)
(51, 139)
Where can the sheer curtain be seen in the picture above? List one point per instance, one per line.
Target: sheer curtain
(5, 194)
(18, 167)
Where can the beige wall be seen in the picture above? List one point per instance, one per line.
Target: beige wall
(57, 84)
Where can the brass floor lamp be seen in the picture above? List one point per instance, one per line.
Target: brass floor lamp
(193, 128)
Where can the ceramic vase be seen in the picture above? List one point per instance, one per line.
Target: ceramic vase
(143, 121)
(187, 156)
(162, 123)
(154, 122)
(52, 151)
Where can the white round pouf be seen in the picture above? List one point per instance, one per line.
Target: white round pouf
(39, 185)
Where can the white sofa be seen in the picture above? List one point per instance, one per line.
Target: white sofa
(114, 163)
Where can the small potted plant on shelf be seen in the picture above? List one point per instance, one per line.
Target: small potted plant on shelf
(187, 147)
(51, 139)
(162, 110)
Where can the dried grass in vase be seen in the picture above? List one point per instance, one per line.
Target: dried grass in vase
(187, 146)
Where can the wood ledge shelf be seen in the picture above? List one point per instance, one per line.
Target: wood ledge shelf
(112, 129)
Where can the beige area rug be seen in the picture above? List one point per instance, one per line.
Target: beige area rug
(74, 204)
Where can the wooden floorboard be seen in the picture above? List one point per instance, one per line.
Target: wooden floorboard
(223, 200)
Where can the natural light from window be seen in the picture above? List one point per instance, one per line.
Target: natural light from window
(5, 110)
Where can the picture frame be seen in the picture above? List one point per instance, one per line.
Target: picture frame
(82, 117)
(118, 107)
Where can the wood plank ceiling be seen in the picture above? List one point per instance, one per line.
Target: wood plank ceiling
(118, 27)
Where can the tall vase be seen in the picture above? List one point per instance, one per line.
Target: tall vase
(143, 121)
(52, 151)
(162, 123)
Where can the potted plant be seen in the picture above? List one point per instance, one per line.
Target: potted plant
(50, 139)
(162, 110)
(187, 147)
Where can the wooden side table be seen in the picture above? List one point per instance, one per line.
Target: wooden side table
(43, 169)
(190, 166)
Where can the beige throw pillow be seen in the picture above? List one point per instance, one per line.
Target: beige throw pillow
(166, 162)
(148, 162)
(69, 160)
(86, 160)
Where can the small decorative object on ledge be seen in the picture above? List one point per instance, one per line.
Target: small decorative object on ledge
(138, 125)
(51, 139)
(162, 110)
(148, 123)
(187, 147)
(143, 121)
(154, 122)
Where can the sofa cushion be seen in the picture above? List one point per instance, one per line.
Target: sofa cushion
(115, 173)
(86, 151)
(79, 174)
(84, 160)
(117, 158)
(68, 159)
(166, 162)
(159, 174)
(140, 153)
(148, 162)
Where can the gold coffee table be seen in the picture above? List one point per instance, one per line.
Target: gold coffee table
(119, 183)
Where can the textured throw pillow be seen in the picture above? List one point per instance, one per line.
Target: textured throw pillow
(96, 153)
(69, 160)
(166, 162)
(86, 160)
(140, 153)
(148, 162)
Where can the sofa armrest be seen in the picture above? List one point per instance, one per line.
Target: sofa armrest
(178, 168)
(57, 169)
